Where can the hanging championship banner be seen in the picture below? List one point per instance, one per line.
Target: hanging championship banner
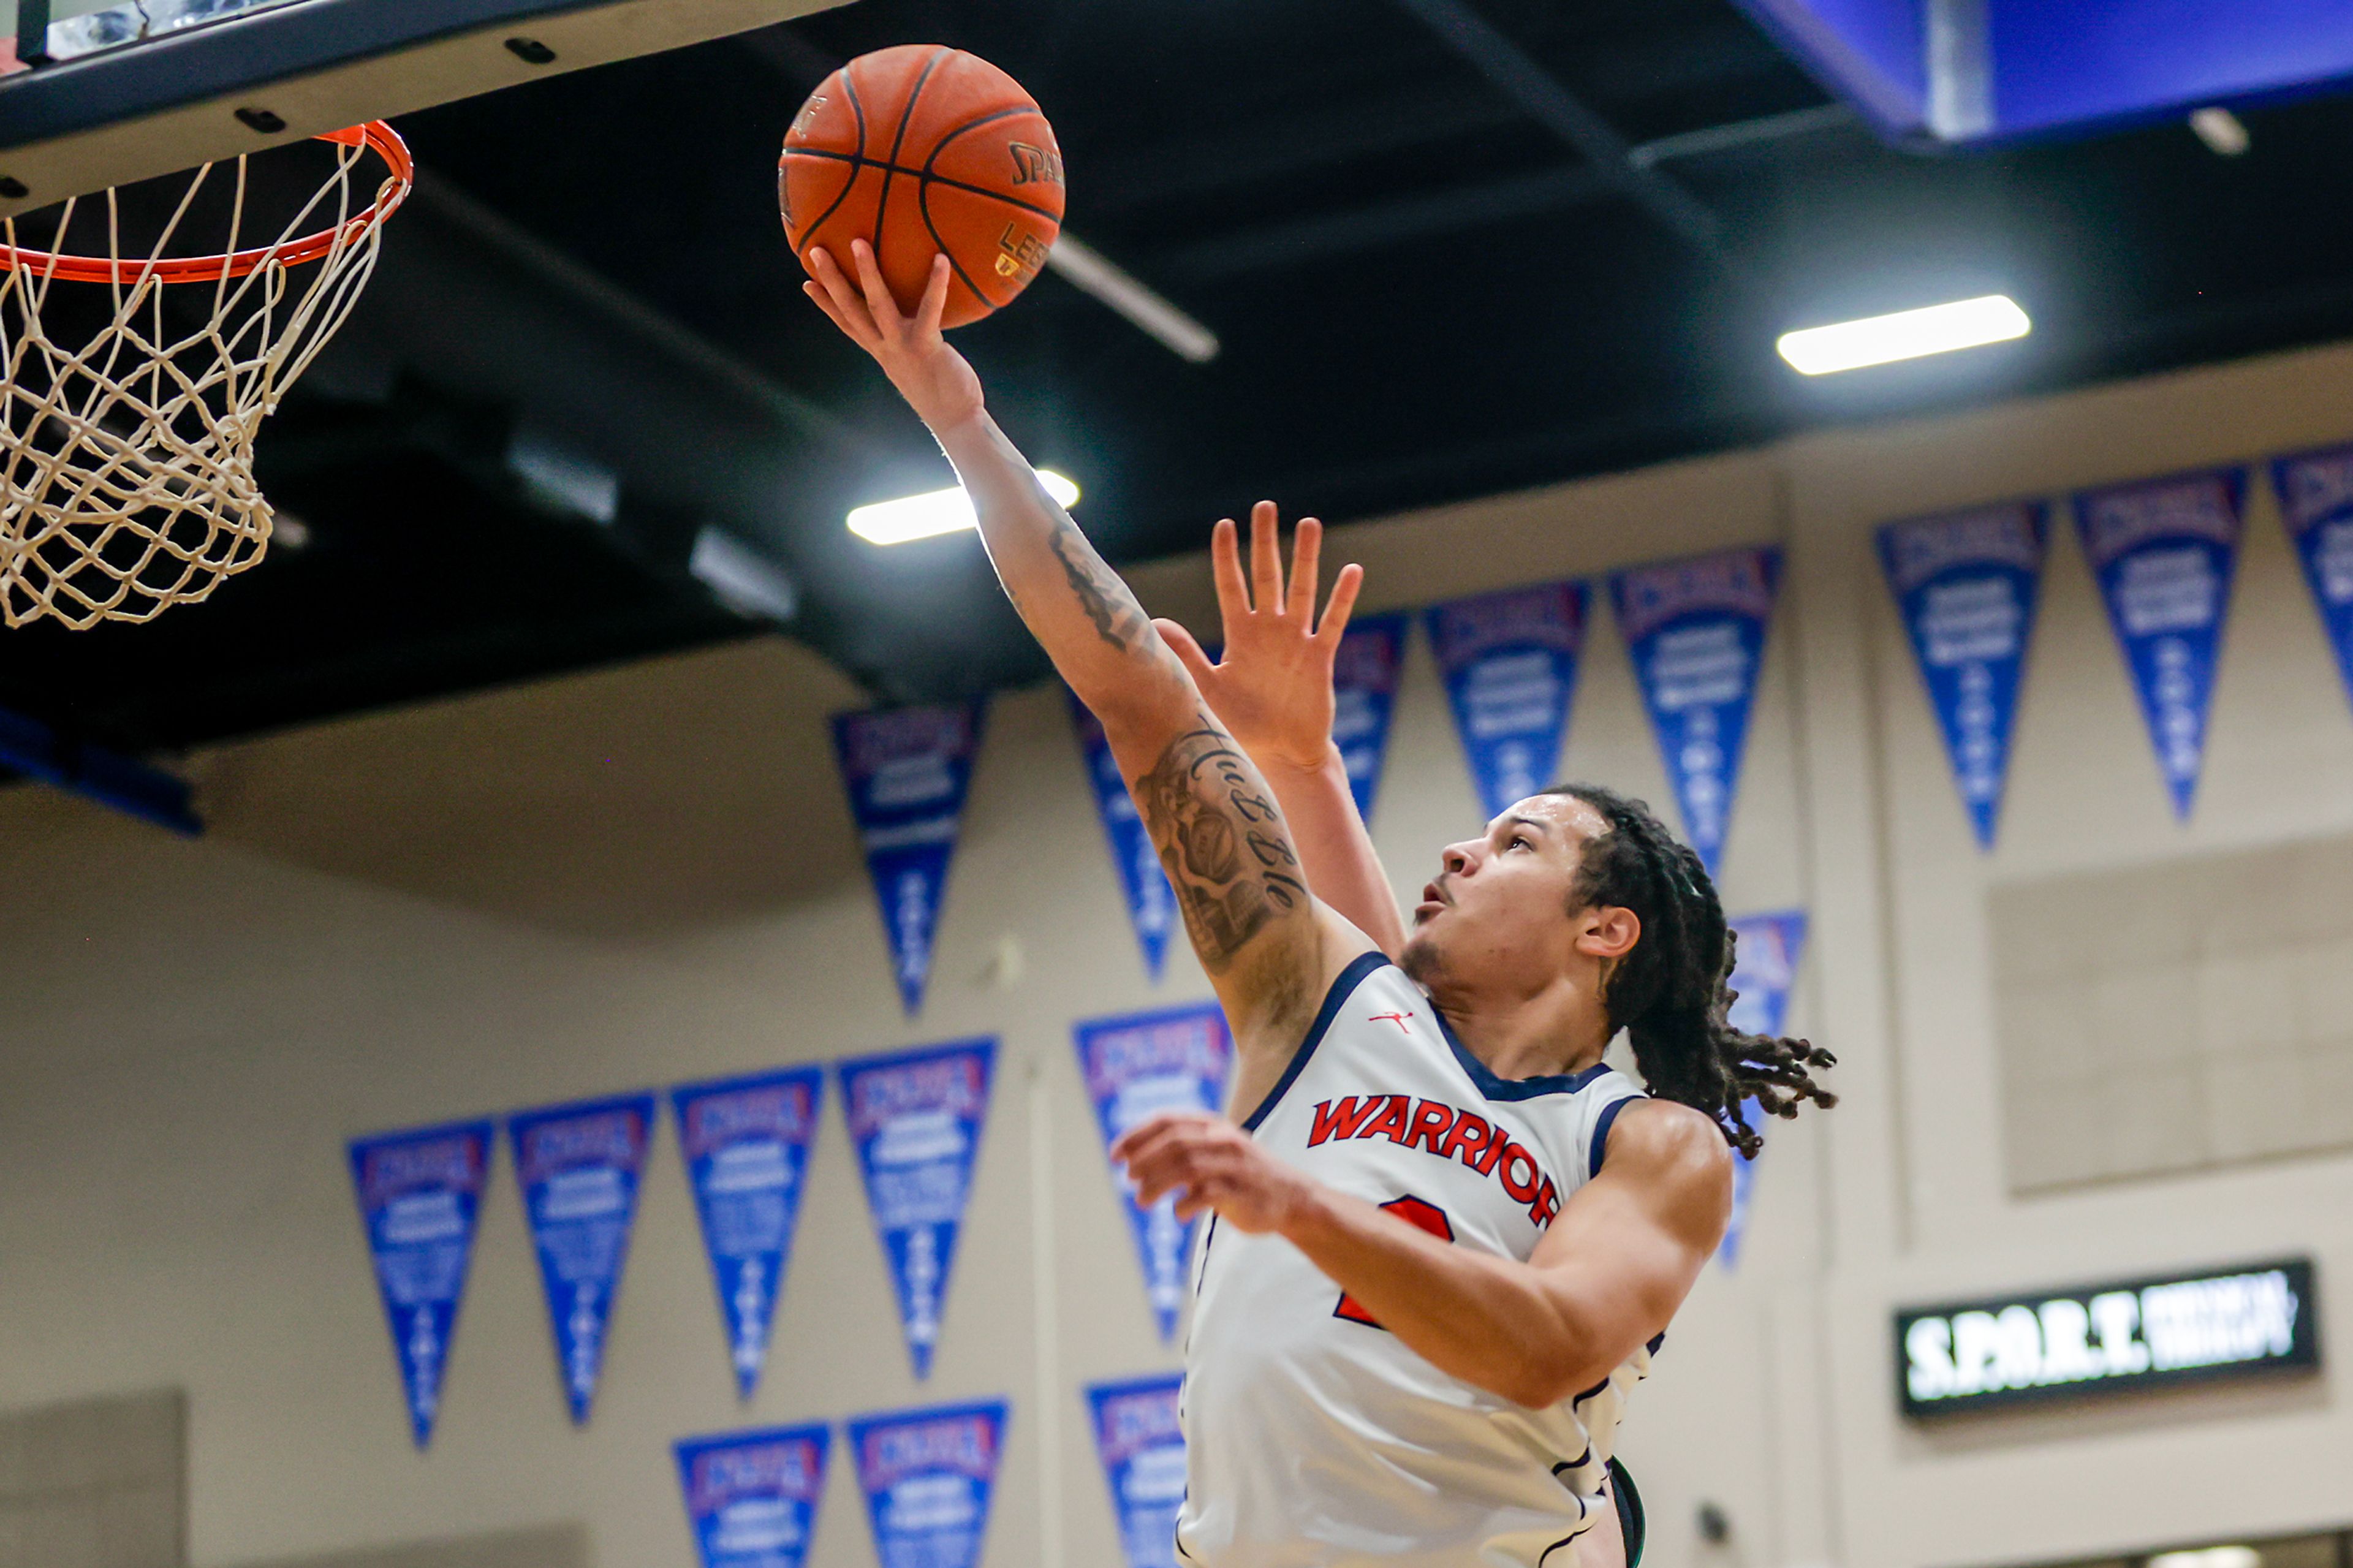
(1136, 1066)
(578, 1167)
(420, 1195)
(2163, 551)
(1764, 969)
(907, 770)
(746, 1142)
(928, 1476)
(1965, 585)
(915, 1119)
(752, 1497)
(1696, 631)
(1151, 904)
(1142, 1452)
(2316, 493)
(1364, 694)
(1509, 661)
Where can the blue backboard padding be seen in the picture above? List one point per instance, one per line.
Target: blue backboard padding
(1873, 53)
(2065, 62)
(2054, 65)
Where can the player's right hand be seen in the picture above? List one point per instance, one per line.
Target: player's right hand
(934, 379)
(1272, 689)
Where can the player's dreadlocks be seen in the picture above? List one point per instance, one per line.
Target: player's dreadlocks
(1670, 993)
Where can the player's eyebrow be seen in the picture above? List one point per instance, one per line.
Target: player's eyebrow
(1541, 826)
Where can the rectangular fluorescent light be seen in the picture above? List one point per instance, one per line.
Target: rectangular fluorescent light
(2209, 1557)
(1906, 334)
(742, 578)
(937, 511)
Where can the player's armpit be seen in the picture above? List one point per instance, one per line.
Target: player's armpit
(1629, 1245)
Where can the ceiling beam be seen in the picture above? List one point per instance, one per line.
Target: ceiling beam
(1521, 77)
(1739, 134)
(1302, 240)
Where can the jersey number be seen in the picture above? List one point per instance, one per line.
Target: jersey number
(1414, 1212)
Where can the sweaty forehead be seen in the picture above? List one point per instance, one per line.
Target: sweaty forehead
(1569, 821)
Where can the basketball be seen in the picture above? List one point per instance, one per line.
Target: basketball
(922, 148)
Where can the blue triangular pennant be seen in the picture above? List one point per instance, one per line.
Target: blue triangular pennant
(578, 1167)
(2164, 552)
(746, 1142)
(915, 1119)
(1142, 1447)
(1965, 585)
(1364, 694)
(2316, 491)
(1695, 629)
(1151, 902)
(928, 1477)
(1765, 967)
(752, 1497)
(1136, 1066)
(907, 770)
(1509, 661)
(420, 1193)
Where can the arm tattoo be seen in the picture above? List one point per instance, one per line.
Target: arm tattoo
(1118, 619)
(1221, 841)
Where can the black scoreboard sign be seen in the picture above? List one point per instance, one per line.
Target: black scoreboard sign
(2099, 1340)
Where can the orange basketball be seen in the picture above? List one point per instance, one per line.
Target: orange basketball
(922, 148)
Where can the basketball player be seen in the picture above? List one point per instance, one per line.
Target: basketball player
(1445, 1238)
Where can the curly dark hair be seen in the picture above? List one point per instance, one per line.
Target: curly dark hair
(1670, 993)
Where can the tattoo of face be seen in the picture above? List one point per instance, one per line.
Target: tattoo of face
(1118, 619)
(1221, 841)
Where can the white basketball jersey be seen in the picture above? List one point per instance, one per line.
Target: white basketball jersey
(1314, 1437)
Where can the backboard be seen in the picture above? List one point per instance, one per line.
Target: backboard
(136, 89)
(1964, 72)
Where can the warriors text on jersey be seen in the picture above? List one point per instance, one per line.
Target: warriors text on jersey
(1313, 1437)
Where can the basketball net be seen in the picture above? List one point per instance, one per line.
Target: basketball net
(126, 460)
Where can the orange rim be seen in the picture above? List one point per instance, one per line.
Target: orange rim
(375, 135)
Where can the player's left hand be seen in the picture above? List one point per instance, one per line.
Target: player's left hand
(1273, 687)
(1210, 1163)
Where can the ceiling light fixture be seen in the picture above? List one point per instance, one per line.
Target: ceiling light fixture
(2224, 133)
(1906, 334)
(2209, 1557)
(742, 578)
(937, 511)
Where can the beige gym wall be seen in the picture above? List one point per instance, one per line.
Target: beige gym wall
(646, 875)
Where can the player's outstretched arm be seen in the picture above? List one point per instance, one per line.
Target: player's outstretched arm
(1606, 1277)
(1269, 948)
(1272, 688)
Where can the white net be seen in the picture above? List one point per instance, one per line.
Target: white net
(135, 383)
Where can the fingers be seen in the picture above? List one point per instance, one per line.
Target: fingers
(816, 291)
(1153, 1130)
(1188, 651)
(936, 297)
(1226, 567)
(1196, 1171)
(1306, 556)
(884, 309)
(1266, 559)
(1343, 602)
(841, 301)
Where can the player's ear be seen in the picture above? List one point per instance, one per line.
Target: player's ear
(1610, 931)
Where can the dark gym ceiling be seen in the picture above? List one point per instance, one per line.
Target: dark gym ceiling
(1427, 287)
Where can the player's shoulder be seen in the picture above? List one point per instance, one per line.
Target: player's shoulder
(1665, 1141)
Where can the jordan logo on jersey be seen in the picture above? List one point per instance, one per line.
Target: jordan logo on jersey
(1448, 1131)
(1397, 1018)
